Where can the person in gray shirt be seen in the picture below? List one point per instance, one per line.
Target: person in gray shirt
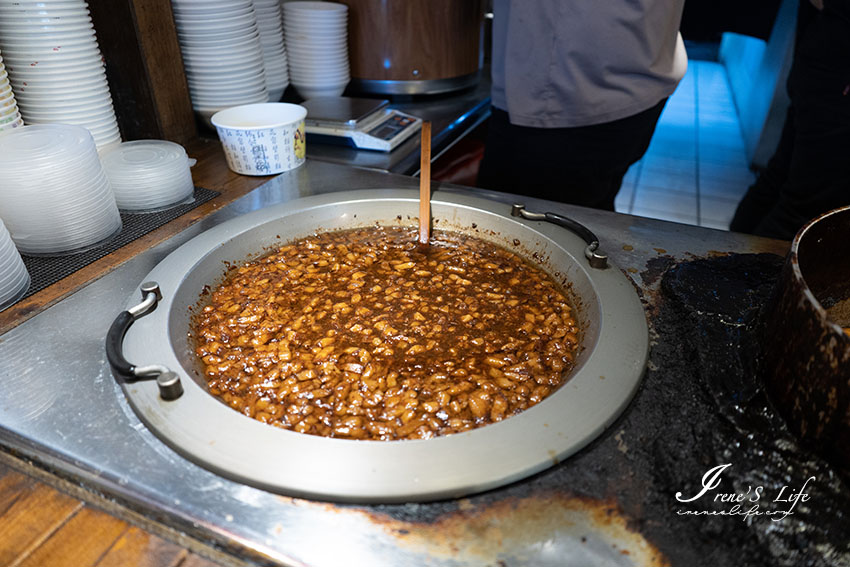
(578, 87)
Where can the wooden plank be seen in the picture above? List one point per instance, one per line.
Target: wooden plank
(37, 524)
(144, 67)
(37, 513)
(164, 67)
(81, 542)
(210, 172)
(12, 486)
(198, 561)
(138, 548)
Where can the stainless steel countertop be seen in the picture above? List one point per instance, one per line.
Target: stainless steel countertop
(452, 116)
(60, 407)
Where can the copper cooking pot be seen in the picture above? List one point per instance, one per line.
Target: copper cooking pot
(807, 353)
(414, 46)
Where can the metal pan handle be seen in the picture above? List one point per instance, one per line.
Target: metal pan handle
(170, 387)
(595, 257)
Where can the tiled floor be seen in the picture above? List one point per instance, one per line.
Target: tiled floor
(696, 169)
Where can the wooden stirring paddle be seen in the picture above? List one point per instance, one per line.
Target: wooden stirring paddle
(425, 184)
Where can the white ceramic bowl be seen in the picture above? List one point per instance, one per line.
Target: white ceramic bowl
(213, 87)
(57, 64)
(315, 56)
(39, 4)
(299, 69)
(241, 76)
(203, 29)
(29, 54)
(315, 7)
(81, 76)
(243, 56)
(38, 15)
(317, 19)
(315, 38)
(95, 117)
(220, 47)
(24, 21)
(224, 91)
(218, 85)
(68, 98)
(208, 24)
(48, 40)
(211, 11)
(308, 92)
(36, 31)
(294, 24)
(213, 41)
(57, 87)
(319, 78)
(312, 60)
(12, 125)
(6, 121)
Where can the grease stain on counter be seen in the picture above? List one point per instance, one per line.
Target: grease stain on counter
(576, 530)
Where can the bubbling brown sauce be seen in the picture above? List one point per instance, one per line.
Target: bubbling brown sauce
(365, 334)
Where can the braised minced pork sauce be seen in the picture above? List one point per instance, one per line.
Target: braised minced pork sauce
(366, 334)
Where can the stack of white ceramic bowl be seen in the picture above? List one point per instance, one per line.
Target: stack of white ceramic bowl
(317, 47)
(14, 278)
(54, 196)
(10, 117)
(220, 43)
(148, 175)
(55, 66)
(270, 24)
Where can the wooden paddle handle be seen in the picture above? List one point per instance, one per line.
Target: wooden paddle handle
(425, 184)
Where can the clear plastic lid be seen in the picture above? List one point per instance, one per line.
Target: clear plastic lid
(36, 145)
(147, 156)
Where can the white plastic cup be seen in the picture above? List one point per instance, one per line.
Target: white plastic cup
(262, 139)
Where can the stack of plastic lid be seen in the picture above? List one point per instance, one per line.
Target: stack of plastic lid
(148, 175)
(14, 278)
(270, 24)
(10, 117)
(317, 47)
(222, 55)
(55, 66)
(54, 195)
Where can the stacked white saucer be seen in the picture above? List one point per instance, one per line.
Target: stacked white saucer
(14, 278)
(55, 66)
(55, 197)
(317, 47)
(148, 175)
(270, 23)
(10, 117)
(220, 43)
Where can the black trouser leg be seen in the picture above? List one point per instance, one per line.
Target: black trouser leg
(810, 172)
(762, 194)
(582, 166)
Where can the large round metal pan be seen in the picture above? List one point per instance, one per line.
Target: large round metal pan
(206, 431)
